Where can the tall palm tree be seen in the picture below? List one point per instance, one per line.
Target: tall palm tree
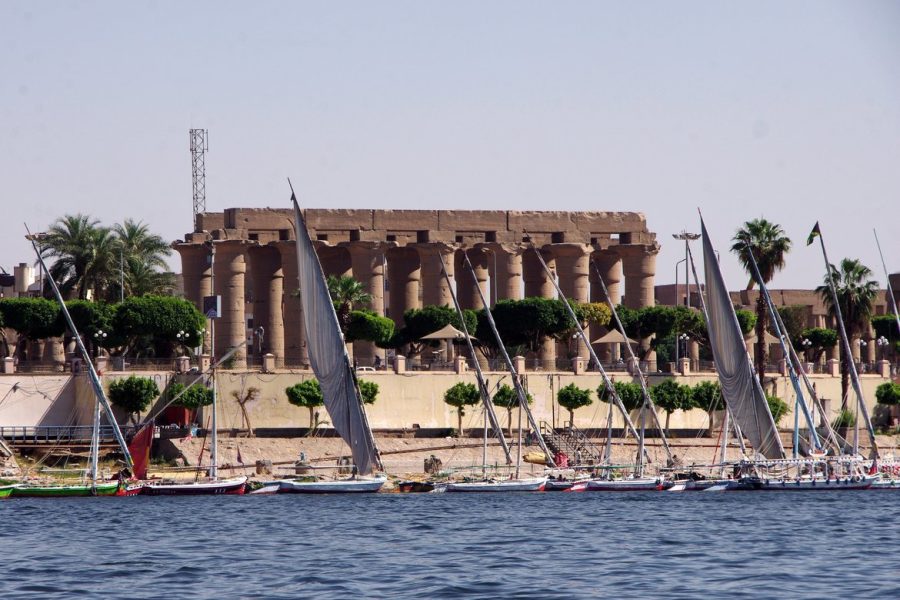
(345, 293)
(769, 244)
(79, 245)
(856, 292)
(142, 258)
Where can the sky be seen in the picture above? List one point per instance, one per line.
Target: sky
(784, 110)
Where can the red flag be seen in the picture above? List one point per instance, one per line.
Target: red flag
(874, 468)
(140, 450)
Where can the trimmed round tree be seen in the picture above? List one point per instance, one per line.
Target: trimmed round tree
(460, 396)
(888, 394)
(369, 391)
(506, 397)
(572, 397)
(777, 407)
(670, 396)
(307, 394)
(707, 395)
(133, 394)
(629, 392)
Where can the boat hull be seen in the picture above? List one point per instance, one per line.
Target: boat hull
(642, 484)
(6, 491)
(234, 486)
(346, 486)
(806, 484)
(65, 491)
(515, 485)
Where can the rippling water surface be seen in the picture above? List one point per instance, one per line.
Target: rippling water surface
(630, 545)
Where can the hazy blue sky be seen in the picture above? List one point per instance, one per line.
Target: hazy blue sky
(787, 110)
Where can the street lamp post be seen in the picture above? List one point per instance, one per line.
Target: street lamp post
(806, 345)
(688, 238)
(99, 336)
(183, 337)
(882, 345)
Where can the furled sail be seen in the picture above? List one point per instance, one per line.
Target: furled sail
(328, 355)
(740, 388)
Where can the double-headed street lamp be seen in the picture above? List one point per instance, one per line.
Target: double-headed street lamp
(882, 345)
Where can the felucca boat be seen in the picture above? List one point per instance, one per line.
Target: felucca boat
(95, 486)
(337, 378)
(514, 483)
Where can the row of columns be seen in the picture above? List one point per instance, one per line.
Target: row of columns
(501, 271)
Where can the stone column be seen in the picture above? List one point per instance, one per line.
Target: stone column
(367, 262)
(229, 267)
(508, 278)
(538, 284)
(268, 292)
(465, 282)
(404, 275)
(196, 275)
(639, 267)
(335, 260)
(609, 265)
(572, 265)
(295, 352)
(435, 290)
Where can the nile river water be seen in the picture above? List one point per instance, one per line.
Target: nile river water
(551, 545)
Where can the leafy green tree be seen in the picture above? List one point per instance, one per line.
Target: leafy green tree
(91, 318)
(670, 396)
(506, 397)
(630, 393)
(71, 240)
(149, 325)
(133, 394)
(526, 323)
(32, 319)
(794, 319)
(369, 327)
(707, 395)
(460, 396)
(368, 390)
(345, 293)
(768, 244)
(856, 291)
(307, 394)
(596, 313)
(777, 407)
(746, 320)
(572, 397)
(419, 322)
(888, 393)
(820, 339)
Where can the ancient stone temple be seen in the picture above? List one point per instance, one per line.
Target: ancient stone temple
(247, 256)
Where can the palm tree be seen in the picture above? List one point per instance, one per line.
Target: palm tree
(142, 255)
(856, 291)
(769, 244)
(345, 292)
(70, 241)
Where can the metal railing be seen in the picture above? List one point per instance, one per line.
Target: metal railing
(40, 435)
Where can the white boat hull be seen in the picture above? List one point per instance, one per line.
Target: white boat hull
(512, 485)
(342, 486)
(234, 485)
(638, 484)
(806, 484)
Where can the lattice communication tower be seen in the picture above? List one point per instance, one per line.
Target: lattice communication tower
(199, 147)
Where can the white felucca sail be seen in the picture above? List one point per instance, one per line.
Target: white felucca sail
(740, 387)
(328, 354)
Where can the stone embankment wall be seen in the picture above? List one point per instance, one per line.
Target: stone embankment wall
(405, 401)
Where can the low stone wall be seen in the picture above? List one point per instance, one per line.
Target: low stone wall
(405, 401)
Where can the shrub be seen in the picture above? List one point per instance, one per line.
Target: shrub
(460, 396)
(777, 407)
(307, 394)
(369, 391)
(845, 418)
(196, 396)
(888, 394)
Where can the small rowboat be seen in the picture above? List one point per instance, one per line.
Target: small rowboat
(636, 484)
(340, 486)
(66, 491)
(511, 485)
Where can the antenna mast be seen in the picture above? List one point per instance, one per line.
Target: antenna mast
(199, 147)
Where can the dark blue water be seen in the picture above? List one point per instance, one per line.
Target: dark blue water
(690, 545)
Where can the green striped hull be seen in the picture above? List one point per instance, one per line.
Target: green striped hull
(65, 491)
